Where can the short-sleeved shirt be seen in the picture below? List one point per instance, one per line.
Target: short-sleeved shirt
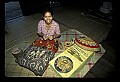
(54, 29)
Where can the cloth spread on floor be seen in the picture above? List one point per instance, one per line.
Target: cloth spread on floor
(37, 58)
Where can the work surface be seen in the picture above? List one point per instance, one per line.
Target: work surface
(67, 36)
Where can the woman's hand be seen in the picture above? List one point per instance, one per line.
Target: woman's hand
(45, 37)
(51, 37)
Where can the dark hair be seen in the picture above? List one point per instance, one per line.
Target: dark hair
(47, 10)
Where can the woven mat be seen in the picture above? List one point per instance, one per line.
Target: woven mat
(67, 36)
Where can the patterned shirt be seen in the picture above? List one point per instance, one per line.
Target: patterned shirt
(54, 29)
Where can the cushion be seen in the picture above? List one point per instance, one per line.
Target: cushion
(36, 59)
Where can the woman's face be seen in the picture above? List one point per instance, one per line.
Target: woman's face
(48, 17)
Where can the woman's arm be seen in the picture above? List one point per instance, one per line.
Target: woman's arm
(57, 36)
(54, 36)
(40, 34)
(45, 37)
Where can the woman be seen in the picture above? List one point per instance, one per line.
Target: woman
(48, 29)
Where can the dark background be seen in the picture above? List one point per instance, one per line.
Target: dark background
(32, 6)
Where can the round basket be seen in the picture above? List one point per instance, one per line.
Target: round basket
(95, 48)
(17, 52)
